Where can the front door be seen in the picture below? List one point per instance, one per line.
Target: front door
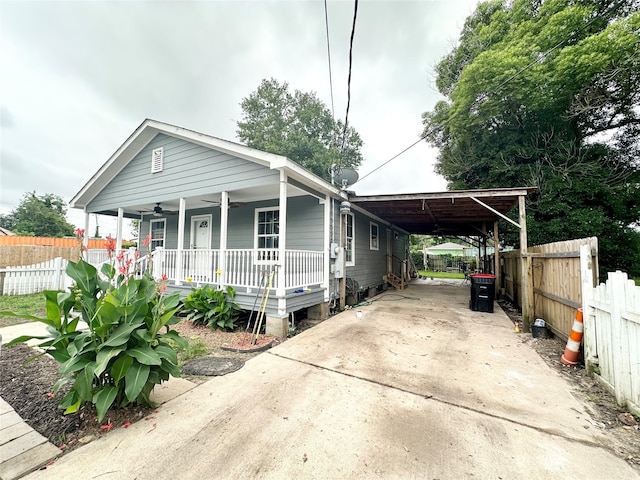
(201, 258)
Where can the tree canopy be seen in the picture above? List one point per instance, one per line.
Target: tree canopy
(298, 126)
(40, 216)
(545, 94)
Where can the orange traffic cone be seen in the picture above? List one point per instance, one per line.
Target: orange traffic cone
(570, 356)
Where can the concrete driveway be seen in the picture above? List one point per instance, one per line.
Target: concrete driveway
(418, 386)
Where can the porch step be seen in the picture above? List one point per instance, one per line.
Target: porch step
(395, 281)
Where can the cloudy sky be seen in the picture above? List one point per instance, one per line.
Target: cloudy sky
(78, 77)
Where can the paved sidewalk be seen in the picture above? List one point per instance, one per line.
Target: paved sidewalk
(22, 449)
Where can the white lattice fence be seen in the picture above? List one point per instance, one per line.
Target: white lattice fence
(35, 278)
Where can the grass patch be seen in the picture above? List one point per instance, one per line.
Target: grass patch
(33, 304)
(195, 349)
(429, 274)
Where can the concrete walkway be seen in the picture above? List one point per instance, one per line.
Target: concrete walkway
(417, 386)
(22, 449)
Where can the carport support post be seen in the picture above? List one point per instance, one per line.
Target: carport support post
(496, 258)
(527, 290)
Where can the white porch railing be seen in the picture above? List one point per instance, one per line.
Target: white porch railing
(245, 268)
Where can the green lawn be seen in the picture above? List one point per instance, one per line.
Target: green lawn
(426, 273)
(29, 304)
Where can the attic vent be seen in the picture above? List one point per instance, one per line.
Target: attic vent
(157, 157)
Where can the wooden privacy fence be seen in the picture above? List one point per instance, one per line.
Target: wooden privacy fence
(555, 281)
(612, 337)
(20, 255)
(23, 280)
(50, 241)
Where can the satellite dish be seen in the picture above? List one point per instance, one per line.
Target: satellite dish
(346, 177)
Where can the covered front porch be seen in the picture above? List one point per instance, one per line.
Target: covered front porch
(241, 269)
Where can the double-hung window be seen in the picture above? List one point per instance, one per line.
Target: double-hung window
(350, 245)
(157, 231)
(267, 239)
(374, 236)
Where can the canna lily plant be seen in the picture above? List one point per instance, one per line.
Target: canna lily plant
(128, 347)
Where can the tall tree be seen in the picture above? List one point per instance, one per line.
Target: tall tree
(40, 216)
(298, 126)
(546, 94)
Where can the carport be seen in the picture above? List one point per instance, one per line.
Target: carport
(458, 213)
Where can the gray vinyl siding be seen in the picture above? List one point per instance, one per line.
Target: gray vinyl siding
(370, 265)
(305, 225)
(189, 170)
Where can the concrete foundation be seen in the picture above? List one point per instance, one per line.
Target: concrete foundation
(318, 312)
(277, 326)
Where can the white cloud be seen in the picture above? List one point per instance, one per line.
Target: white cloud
(79, 77)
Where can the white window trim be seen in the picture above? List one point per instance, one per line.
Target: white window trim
(164, 233)
(351, 263)
(258, 259)
(157, 160)
(371, 237)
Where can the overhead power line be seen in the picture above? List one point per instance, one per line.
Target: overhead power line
(346, 118)
(326, 24)
(494, 90)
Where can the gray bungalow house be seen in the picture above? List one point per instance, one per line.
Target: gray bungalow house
(221, 213)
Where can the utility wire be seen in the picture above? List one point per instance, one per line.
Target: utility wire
(346, 118)
(326, 23)
(494, 90)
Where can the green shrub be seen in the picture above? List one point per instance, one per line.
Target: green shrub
(418, 259)
(124, 352)
(212, 307)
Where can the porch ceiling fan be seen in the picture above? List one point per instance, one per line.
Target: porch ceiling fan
(217, 203)
(158, 211)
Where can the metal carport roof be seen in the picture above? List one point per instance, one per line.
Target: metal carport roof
(456, 212)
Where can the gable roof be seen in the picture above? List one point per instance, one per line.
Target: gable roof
(150, 128)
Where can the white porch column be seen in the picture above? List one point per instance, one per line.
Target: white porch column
(180, 253)
(282, 236)
(119, 231)
(327, 246)
(224, 225)
(85, 240)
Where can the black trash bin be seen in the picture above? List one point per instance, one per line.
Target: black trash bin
(483, 291)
